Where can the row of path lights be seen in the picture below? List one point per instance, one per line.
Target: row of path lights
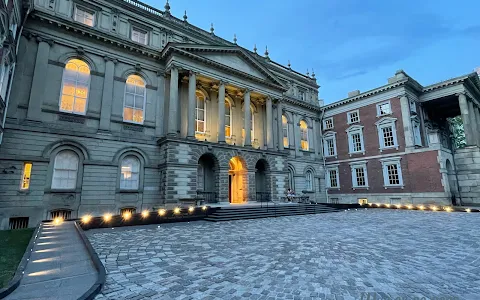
(418, 207)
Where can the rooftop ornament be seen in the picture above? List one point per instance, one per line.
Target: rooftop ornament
(212, 29)
(255, 48)
(167, 9)
(266, 53)
(235, 39)
(185, 17)
(289, 65)
(313, 74)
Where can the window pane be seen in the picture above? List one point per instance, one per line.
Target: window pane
(139, 102)
(130, 88)
(66, 104)
(27, 169)
(80, 105)
(138, 115)
(68, 88)
(129, 98)
(128, 114)
(65, 170)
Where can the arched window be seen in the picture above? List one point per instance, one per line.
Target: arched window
(291, 179)
(134, 100)
(130, 173)
(200, 113)
(285, 131)
(309, 180)
(304, 135)
(75, 85)
(228, 119)
(65, 169)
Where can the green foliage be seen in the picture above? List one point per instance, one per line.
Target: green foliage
(458, 133)
(12, 247)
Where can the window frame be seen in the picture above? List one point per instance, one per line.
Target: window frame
(302, 132)
(201, 133)
(285, 132)
(386, 179)
(79, 163)
(352, 130)
(125, 157)
(379, 114)
(84, 10)
(229, 125)
(291, 177)
(139, 30)
(134, 95)
(349, 116)
(384, 123)
(328, 177)
(330, 136)
(309, 187)
(325, 123)
(353, 167)
(22, 179)
(63, 84)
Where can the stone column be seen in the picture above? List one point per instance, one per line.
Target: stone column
(296, 133)
(280, 126)
(192, 86)
(246, 116)
(467, 126)
(107, 95)
(315, 136)
(407, 123)
(160, 104)
(37, 91)
(221, 112)
(473, 121)
(269, 118)
(173, 104)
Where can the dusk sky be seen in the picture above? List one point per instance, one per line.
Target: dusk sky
(351, 44)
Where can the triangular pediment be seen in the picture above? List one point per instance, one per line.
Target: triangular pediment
(230, 57)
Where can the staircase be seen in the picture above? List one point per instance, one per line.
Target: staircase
(272, 210)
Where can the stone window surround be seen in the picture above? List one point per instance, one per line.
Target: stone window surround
(349, 116)
(379, 115)
(285, 129)
(309, 180)
(144, 101)
(63, 83)
(325, 123)
(330, 168)
(390, 161)
(86, 8)
(306, 133)
(134, 26)
(386, 122)
(357, 165)
(141, 172)
(350, 132)
(53, 155)
(330, 135)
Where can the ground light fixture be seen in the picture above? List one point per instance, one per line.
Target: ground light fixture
(468, 210)
(107, 217)
(58, 220)
(176, 210)
(191, 209)
(410, 206)
(162, 212)
(145, 214)
(398, 206)
(86, 219)
(421, 207)
(127, 216)
(204, 208)
(434, 208)
(448, 208)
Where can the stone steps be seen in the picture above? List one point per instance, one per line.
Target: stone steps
(243, 213)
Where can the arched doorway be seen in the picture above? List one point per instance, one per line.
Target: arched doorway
(237, 181)
(207, 178)
(452, 182)
(261, 181)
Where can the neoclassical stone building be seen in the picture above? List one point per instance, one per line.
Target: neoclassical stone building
(117, 105)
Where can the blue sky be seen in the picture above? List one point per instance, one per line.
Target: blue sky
(351, 44)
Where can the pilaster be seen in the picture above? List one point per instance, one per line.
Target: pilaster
(107, 95)
(280, 126)
(473, 121)
(159, 131)
(192, 86)
(247, 117)
(269, 121)
(464, 110)
(407, 124)
(221, 112)
(173, 103)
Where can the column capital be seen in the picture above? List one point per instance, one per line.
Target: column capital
(108, 58)
(192, 73)
(171, 67)
(461, 94)
(403, 96)
(161, 73)
(246, 90)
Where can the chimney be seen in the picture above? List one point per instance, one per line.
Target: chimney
(353, 93)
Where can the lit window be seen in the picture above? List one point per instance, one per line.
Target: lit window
(228, 119)
(65, 170)
(27, 170)
(134, 103)
(200, 113)
(355, 139)
(353, 117)
(387, 133)
(328, 123)
(392, 172)
(285, 131)
(359, 175)
(139, 36)
(309, 180)
(304, 135)
(384, 109)
(75, 85)
(332, 178)
(83, 16)
(329, 145)
(130, 173)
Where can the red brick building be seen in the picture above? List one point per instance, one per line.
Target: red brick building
(391, 145)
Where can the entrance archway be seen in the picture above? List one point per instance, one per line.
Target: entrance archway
(207, 178)
(237, 181)
(261, 181)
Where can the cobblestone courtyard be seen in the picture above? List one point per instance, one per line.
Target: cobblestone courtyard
(328, 256)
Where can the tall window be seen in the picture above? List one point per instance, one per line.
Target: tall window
(309, 180)
(27, 170)
(285, 131)
(200, 113)
(328, 123)
(291, 178)
(387, 133)
(83, 16)
(392, 172)
(384, 109)
(130, 173)
(139, 36)
(359, 175)
(65, 169)
(134, 104)
(332, 178)
(75, 85)
(353, 117)
(355, 139)
(304, 135)
(228, 119)
(329, 144)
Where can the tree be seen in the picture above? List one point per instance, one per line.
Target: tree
(458, 133)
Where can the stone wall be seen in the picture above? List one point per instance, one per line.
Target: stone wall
(467, 163)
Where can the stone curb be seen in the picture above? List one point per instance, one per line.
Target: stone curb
(98, 285)
(15, 282)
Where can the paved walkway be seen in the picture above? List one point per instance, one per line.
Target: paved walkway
(59, 267)
(345, 255)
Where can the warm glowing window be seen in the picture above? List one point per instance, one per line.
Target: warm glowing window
(65, 170)
(135, 95)
(84, 16)
(228, 119)
(304, 135)
(200, 113)
(27, 170)
(75, 84)
(285, 131)
(130, 173)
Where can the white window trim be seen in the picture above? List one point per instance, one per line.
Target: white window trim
(285, 126)
(390, 161)
(307, 134)
(356, 165)
(84, 9)
(138, 29)
(325, 123)
(350, 132)
(204, 113)
(378, 109)
(310, 188)
(387, 122)
(230, 118)
(330, 136)
(350, 113)
(88, 91)
(328, 179)
(137, 160)
(144, 103)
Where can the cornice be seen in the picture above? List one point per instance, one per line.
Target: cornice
(448, 82)
(301, 104)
